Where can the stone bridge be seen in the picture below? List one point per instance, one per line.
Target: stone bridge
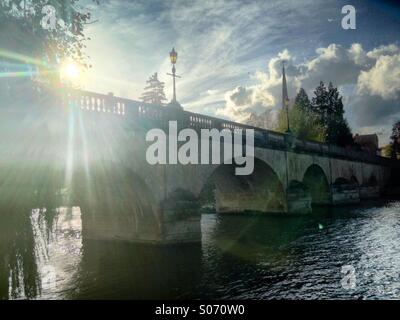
(77, 148)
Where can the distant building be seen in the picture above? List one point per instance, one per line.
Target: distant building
(368, 142)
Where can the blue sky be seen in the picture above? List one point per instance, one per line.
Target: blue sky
(229, 53)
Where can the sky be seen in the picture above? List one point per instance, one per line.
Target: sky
(230, 52)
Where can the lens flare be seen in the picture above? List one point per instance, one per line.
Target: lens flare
(70, 70)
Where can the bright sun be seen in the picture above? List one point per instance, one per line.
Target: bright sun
(70, 71)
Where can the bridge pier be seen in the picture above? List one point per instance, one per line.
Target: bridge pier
(369, 192)
(117, 205)
(248, 202)
(181, 218)
(174, 228)
(345, 192)
(299, 199)
(370, 189)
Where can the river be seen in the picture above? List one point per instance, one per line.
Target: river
(340, 253)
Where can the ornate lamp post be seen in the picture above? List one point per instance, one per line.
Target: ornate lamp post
(286, 102)
(173, 55)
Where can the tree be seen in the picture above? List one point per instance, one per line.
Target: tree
(57, 26)
(387, 151)
(302, 100)
(327, 105)
(395, 140)
(303, 122)
(319, 104)
(154, 91)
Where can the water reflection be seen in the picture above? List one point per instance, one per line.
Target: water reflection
(115, 270)
(44, 255)
(18, 271)
(41, 253)
(301, 257)
(58, 249)
(243, 252)
(379, 265)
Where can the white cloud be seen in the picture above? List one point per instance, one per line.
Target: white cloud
(334, 63)
(266, 94)
(225, 60)
(383, 79)
(383, 50)
(241, 102)
(368, 81)
(215, 40)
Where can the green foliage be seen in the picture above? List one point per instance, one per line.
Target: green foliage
(327, 105)
(395, 140)
(65, 40)
(387, 151)
(154, 91)
(322, 119)
(302, 100)
(303, 122)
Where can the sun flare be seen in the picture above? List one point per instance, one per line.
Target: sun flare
(70, 71)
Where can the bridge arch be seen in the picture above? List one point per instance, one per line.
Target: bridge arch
(115, 202)
(354, 181)
(298, 197)
(345, 191)
(370, 188)
(372, 181)
(262, 191)
(341, 181)
(317, 183)
(298, 188)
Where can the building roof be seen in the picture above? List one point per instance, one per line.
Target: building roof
(367, 141)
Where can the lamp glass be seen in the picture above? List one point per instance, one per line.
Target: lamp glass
(173, 56)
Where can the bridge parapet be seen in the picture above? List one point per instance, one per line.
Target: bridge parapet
(159, 117)
(92, 147)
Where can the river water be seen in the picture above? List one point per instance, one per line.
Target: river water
(344, 253)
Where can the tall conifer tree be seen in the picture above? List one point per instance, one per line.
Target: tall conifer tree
(154, 91)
